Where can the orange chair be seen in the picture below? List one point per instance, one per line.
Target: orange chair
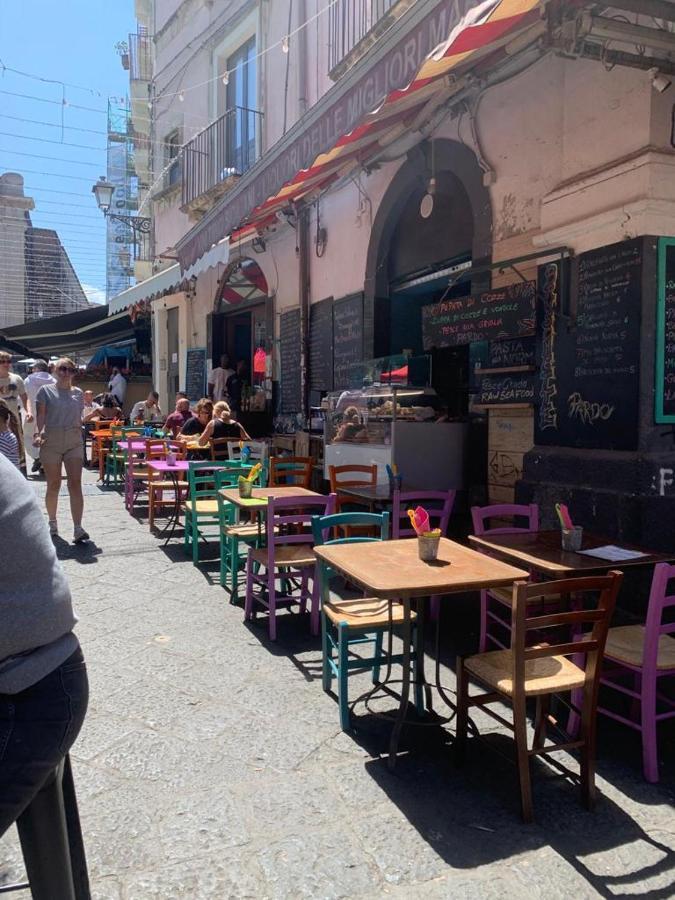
(350, 476)
(290, 471)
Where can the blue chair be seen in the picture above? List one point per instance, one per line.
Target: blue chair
(346, 623)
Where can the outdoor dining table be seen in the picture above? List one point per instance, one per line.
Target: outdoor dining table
(372, 496)
(172, 470)
(393, 571)
(541, 552)
(258, 503)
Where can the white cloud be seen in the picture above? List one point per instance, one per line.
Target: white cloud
(94, 294)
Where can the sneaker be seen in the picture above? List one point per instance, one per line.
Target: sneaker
(36, 466)
(53, 527)
(80, 535)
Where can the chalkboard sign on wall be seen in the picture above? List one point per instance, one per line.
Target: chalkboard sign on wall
(589, 369)
(497, 390)
(510, 353)
(347, 338)
(665, 334)
(195, 373)
(290, 358)
(508, 312)
(321, 345)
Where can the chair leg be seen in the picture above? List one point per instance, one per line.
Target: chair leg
(462, 721)
(543, 708)
(304, 589)
(482, 644)
(151, 508)
(435, 607)
(315, 614)
(417, 650)
(195, 540)
(248, 603)
(343, 675)
(520, 734)
(650, 763)
(326, 655)
(272, 603)
(379, 635)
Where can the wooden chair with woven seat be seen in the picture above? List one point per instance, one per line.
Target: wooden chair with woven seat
(159, 486)
(542, 670)
(289, 552)
(290, 471)
(495, 604)
(220, 448)
(346, 623)
(350, 476)
(201, 506)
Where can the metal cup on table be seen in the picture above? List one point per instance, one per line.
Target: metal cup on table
(427, 546)
(572, 538)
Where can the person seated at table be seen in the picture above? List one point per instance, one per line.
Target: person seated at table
(222, 425)
(200, 419)
(146, 410)
(108, 411)
(178, 417)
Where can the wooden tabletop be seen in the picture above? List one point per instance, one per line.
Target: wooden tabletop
(260, 496)
(392, 569)
(542, 551)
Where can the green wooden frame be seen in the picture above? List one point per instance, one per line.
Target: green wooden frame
(660, 417)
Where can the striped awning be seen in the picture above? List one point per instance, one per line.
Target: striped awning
(487, 32)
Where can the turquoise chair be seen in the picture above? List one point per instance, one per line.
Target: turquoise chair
(115, 459)
(346, 623)
(202, 513)
(233, 533)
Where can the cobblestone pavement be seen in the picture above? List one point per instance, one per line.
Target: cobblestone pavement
(211, 764)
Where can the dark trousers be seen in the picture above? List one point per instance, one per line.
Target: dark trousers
(37, 728)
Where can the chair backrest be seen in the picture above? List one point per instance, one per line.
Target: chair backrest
(290, 471)
(202, 479)
(228, 476)
(659, 601)
(324, 526)
(352, 476)
(258, 450)
(220, 447)
(438, 504)
(581, 603)
(289, 519)
(481, 516)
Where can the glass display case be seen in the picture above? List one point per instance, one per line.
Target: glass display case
(394, 418)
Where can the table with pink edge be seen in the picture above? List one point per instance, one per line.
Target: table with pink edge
(172, 470)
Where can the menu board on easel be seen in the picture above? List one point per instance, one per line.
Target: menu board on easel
(289, 353)
(665, 334)
(588, 391)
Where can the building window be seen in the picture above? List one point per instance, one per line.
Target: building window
(172, 155)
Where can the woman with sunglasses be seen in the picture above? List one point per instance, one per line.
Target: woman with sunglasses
(58, 433)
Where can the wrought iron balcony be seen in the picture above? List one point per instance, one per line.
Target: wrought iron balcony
(218, 155)
(140, 57)
(350, 22)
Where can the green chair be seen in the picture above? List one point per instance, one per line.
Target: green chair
(202, 510)
(346, 623)
(234, 533)
(115, 458)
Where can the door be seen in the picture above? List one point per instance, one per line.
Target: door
(172, 366)
(242, 103)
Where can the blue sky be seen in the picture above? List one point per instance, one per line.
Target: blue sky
(73, 42)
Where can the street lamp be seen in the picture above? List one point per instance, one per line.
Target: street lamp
(103, 191)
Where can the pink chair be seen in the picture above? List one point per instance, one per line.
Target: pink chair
(438, 504)
(289, 552)
(481, 516)
(640, 655)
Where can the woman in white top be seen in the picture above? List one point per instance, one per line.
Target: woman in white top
(59, 435)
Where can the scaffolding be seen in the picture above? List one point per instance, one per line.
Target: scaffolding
(121, 248)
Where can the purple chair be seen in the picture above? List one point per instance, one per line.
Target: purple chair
(438, 504)
(636, 657)
(481, 516)
(289, 552)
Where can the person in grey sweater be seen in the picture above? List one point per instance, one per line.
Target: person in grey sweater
(43, 677)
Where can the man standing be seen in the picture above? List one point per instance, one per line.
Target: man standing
(12, 389)
(217, 380)
(118, 387)
(38, 377)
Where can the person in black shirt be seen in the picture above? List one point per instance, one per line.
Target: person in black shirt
(201, 418)
(235, 385)
(222, 425)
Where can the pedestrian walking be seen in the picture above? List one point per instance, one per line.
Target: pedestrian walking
(43, 678)
(13, 390)
(59, 434)
(118, 386)
(9, 441)
(38, 377)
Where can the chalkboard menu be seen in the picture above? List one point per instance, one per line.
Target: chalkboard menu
(290, 357)
(589, 367)
(508, 312)
(347, 338)
(321, 345)
(665, 334)
(195, 373)
(510, 353)
(496, 390)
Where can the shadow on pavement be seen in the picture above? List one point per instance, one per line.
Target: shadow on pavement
(86, 553)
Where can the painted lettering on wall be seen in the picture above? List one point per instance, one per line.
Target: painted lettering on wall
(548, 391)
(587, 411)
(665, 480)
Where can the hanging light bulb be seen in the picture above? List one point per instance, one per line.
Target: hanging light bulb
(427, 204)
(181, 96)
(285, 46)
(226, 77)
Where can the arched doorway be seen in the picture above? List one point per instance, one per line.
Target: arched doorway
(411, 257)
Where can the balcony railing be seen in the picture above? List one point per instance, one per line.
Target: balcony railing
(140, 57)
(348, 24)
(227, 148)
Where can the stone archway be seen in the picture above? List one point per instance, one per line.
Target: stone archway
(454, 163)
